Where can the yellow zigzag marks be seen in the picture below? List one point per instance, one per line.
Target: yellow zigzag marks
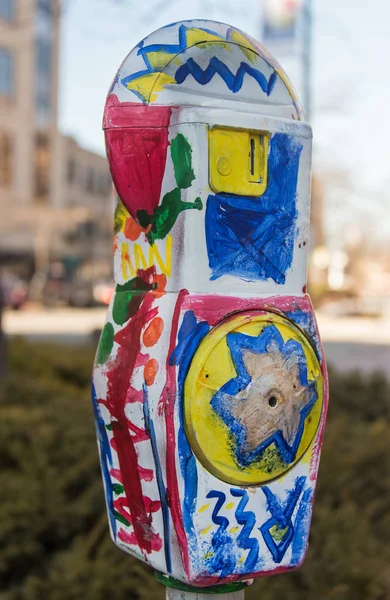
(131, 264)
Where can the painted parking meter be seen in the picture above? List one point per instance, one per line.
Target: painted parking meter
(210, 388)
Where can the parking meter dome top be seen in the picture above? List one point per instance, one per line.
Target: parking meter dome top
(203, 63)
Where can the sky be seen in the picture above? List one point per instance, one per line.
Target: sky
(351, 88)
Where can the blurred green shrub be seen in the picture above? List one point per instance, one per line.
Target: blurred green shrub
(54, 541)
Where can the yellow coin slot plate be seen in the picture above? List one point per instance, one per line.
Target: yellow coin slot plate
(238, 161)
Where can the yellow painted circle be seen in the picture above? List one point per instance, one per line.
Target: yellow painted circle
(224, 166)
(210, 435)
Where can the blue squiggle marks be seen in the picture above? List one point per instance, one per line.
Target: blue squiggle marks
(248, 519)
(149, 428)
(170, 50)
(223, 559)
(223, 522)
(279, 532)
(189, 337)
(105, 459)
(253, 238)
(281, 519)
(238, 343)
(233, 82)
(302, 525)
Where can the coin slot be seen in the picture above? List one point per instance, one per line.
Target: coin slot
(252, 156)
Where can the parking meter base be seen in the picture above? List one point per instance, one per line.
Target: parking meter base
(173, 584)
(201, 595)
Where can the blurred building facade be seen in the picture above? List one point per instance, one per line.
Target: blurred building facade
(49, 186)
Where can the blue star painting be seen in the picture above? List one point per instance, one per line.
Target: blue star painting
(253, 238)
(269, 399)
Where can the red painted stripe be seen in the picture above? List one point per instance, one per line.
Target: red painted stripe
(140, 434)
(167, 407)
(118, 383)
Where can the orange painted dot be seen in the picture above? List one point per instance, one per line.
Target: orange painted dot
(153, 332)
(161, 281)
(150, 371)
(132, 230)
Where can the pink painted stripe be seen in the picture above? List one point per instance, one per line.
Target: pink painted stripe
(203, 581)
(216, 308)
(132, 114)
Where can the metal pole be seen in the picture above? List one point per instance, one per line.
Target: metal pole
(307, 58)
(180, 595)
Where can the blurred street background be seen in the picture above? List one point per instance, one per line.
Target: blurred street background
(56, 62)
(350, 342)
(57, 59)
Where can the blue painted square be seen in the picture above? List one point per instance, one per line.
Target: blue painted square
(253, 238)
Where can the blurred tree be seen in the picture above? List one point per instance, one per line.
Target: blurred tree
(54, 540)
(3, 341)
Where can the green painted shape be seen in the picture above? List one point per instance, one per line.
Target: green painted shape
(128, 298)
(213, 589)
(120, 518)
(118, 488)
(165, 215)
(106, 343)
(278, 533)
(181, 153)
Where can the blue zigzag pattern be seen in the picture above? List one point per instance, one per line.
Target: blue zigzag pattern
(223, 559)
(168, 48)
(233, 82)
(248, 520)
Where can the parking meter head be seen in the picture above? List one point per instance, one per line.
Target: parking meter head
(220, 68)
(210, 387)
